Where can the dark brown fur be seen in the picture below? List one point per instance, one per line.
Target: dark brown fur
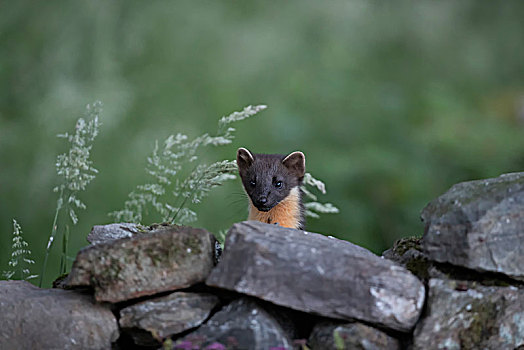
(272, 182)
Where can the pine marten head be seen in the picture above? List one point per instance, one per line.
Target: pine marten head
(269, 178)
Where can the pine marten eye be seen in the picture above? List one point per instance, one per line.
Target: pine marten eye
(278, 184)
(252, 183)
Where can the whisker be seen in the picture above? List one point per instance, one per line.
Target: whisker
(238, 200)
(236, 194)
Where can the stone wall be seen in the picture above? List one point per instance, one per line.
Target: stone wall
(460, 286)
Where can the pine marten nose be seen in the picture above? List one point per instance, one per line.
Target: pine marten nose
(262, 200)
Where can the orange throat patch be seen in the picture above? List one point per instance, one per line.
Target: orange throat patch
(286, 213)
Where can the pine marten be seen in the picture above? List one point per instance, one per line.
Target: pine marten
(272, 182)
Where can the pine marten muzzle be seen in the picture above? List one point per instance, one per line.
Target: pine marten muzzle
(272, 182)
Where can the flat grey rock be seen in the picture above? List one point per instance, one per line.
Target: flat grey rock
(479, 225)
(34, 318)
(243, 324)
(318, 274)
(330, 335)
(105, 233)
(165, 316)
(465, 315)
(165, 259)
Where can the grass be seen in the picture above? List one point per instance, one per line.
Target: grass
(178, 181)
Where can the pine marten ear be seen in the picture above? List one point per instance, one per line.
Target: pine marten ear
(244, 158)
(296, 163)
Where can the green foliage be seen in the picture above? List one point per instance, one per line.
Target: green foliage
(75, 166)
(221, 237)
(170, 194)
(167, 344)
(76, 170)
(21, 260)
(338, 340)
(314, 208)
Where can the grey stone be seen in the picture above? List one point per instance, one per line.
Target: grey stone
(243, 324)
(466, 315)
(479, 225)
(34, 318)
(105, 233)
(408, 253)
(165, 259)
(165, 316)
(330, 335)
(318, 274)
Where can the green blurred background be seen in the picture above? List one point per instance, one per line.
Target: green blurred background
(392, 102)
